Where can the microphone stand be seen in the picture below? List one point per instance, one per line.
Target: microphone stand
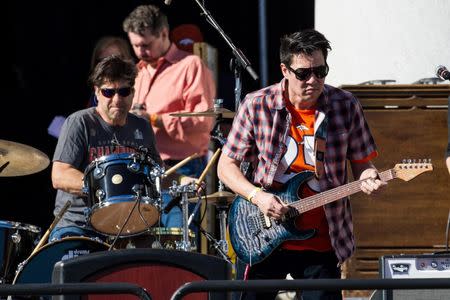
(241, 60)
(215, 244)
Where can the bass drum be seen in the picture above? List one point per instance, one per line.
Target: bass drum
(38, 268)
(17, 241)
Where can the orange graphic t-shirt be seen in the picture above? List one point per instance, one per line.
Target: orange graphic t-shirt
(300, 157)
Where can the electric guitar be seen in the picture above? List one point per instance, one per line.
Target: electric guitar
(254, 236)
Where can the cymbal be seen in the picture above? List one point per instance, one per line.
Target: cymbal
(217, 197)
(217, 112)
(18, 159)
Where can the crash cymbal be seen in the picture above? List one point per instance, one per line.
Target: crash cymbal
(18, 159)
(217, 197)
(217, 112)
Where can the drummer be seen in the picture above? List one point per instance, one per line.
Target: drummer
(94, 132)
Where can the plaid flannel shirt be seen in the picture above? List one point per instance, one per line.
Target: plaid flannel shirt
(258, 136)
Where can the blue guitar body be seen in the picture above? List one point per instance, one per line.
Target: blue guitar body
(253, 236)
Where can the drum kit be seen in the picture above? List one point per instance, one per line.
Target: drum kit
(123, 193)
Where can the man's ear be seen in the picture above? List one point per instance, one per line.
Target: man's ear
(284, 70)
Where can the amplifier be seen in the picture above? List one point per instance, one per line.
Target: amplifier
(415, 266)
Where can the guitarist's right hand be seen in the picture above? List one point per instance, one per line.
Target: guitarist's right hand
(270, 205)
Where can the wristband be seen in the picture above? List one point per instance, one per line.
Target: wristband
(153, 119)
(253, 194)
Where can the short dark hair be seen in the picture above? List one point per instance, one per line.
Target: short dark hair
(145, 17)
(305, 41)
(112, 69)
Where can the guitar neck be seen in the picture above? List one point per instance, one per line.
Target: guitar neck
(335, 194)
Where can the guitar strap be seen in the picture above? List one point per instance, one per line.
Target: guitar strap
(320, 137)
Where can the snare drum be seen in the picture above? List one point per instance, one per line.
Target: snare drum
(39, 267)
(17, 241)
(158, 238)
(119, 188)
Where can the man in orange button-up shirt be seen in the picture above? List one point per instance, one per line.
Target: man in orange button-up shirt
(170, 80)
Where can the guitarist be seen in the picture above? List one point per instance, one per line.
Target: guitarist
(296, 125)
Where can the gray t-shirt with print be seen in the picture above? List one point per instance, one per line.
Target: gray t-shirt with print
(84, 137)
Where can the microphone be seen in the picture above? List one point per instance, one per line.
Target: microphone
(172, 203)
(442, 73)
(167, 2)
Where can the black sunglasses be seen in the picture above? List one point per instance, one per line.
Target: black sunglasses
(109, 93)
(304, 73)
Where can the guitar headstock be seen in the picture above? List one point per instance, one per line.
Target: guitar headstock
(410, 169)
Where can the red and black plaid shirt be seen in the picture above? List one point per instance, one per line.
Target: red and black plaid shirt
(258, 136)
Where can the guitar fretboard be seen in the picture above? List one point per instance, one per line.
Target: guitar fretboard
(337, 193)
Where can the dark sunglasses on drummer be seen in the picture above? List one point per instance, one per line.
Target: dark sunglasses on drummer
(109, 93)
(304, 73)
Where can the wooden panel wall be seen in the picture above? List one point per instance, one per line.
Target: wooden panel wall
(407, 122)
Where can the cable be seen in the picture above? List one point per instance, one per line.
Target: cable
(446, 232)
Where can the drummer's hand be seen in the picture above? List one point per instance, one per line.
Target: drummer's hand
(270, 204)
(186, 179)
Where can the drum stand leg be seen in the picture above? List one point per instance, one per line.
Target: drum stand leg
(185, 243)
(223, 226)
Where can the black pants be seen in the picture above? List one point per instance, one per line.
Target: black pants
(301, 265)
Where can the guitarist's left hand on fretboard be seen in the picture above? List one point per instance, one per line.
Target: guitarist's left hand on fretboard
(371, 183)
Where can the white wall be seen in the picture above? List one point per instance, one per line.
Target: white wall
(404, 40)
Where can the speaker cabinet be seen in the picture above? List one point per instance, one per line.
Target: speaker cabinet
(160, 272)
(415, 266)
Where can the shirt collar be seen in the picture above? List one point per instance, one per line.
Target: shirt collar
(322, 102)
(172, 56)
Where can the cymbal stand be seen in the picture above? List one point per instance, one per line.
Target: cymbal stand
(175, 190)
(222, 208)
(216, 133)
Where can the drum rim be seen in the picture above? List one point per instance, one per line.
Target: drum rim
(20, 225)
(109, 158)
(122, 198)
(170, 231)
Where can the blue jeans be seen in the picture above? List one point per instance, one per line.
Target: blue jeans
(62, 232)
(174, 218)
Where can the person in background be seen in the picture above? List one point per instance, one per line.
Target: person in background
(185, 36)
(91, 133)
(170, 80)
(301, 124)
(107, 46)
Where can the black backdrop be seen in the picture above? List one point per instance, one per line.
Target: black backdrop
(48, 46)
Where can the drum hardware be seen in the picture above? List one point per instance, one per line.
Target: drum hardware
(17, 240)
(194, 187)
(18, 159)
(175, 191)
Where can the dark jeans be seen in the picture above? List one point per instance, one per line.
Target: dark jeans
(300, 265)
